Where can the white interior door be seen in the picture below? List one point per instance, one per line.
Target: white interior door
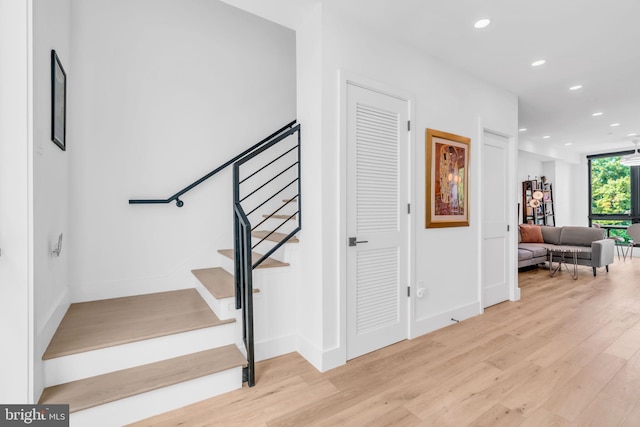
(495, 241)
(377, 220)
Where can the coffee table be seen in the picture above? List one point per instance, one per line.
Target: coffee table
(565, 254)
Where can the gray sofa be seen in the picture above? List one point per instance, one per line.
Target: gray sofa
(597, 251)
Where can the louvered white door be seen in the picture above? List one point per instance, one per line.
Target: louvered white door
(377, 220)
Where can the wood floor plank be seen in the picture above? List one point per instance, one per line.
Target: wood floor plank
(600, 340)
(633, 419)
(263, 408)
(113, 386)
(99, 324)
(618, 397)
(575, 339)
(400, 417)
(375, 411)
(627, 344)
(515, 353)
(498, 415)
(570, 399)
(532, 393)
(226, 406)
(478, 398)
(314, 412)
(541, 417)
(552, 350)
(437, 406)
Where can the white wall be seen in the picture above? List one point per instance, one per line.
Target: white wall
(569, 181)
(569, 185)
(529, 167)
(50, 177)
(309, 92)
(579, 197)
(565, 188)
(163, 91)
(445, 99)
(16, 198)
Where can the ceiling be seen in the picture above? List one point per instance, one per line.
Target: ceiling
(593, 43)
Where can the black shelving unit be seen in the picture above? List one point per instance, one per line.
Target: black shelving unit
(539, 210)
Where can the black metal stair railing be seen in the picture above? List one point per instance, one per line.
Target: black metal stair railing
(176, 196)
(261, 178)
(269, 178)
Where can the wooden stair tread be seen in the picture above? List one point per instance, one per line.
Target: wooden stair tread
(274, 237)
(101, 389)
(218, 282)
(99, 324)
(268, 263)
(280, 216)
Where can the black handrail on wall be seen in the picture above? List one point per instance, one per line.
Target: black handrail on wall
(243, 261)
(176, 197)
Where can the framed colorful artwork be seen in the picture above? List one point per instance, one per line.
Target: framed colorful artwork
(447, 179)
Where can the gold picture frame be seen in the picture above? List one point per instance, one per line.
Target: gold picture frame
(447, 179)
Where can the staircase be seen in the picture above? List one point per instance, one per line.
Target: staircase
(121, 360)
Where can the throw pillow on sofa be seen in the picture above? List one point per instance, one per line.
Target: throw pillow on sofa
(530, 233)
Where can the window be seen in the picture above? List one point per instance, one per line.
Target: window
(614, 192)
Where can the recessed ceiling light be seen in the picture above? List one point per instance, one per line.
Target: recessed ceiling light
(522, 129)
(632, 134)
(576, 87)
(599, 113)
(482, 23)
(546, 137)
(614, 124)
(538, 63)
(568, 143)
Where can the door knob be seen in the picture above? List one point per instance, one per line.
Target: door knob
(353, 241)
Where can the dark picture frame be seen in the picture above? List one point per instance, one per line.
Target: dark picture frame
(447, 179)
(58, 102)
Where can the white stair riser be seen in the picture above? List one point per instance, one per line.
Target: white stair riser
(273, 223)
(274, 306)
(282, 254)
(224, 308)
(96, 362)
(227, 263)
(145, 405)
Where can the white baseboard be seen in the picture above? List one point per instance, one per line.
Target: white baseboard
(275, 347)
(310, 352)
(440, 320)
(323, 361)
(145, 405)
(44, 336)
(333, 358)
(53, 319)
(516, 295)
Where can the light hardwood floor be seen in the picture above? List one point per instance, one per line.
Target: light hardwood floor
(566, 354)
